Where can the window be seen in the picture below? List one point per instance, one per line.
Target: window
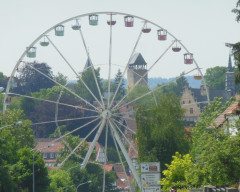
(52, 155)
(183, 102)
(191, 110)
(189, 101)
(44, 155)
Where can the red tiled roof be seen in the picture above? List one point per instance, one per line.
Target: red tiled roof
(49, 147)
(108, 167)
(222, 117)
(131, 152)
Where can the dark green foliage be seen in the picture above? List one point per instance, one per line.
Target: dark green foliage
(215, 77)
(121, 90)
(215, 153)
(16, 155)
(88, 79)
(94, 173)
(237, 11)
(3, 80)
(160, 130)
(30, 80)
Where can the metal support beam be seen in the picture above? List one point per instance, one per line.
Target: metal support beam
(125, 154)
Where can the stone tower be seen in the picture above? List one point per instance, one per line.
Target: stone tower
(137, 68)
(230, 83)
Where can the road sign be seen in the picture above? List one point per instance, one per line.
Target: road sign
(150, 179)
(150, 167)
(151, 189)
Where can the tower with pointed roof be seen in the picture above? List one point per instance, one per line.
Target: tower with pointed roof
(87, 64)
(136, 70)
(230, 84)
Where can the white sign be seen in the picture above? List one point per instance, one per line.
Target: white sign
(151, 189)
(150, 167)
(150, 179)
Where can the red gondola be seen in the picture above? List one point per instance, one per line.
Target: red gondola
(111, 22)
(188, 58)
(197, 77)
(176, 48)
(162, 34)
(146, 30)
(128, 21)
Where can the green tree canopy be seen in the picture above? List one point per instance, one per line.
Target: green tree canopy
(160, 130)
(31, 80)
(16, 154)
(215, 77)
(88, 79)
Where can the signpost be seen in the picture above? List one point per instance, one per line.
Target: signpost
(150, 177)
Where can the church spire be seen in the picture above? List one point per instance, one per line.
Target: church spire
(230, 68)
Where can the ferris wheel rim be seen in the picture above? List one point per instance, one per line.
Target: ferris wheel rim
(84, 15)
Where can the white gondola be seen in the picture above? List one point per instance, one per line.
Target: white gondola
(31, 52)
(59, 30)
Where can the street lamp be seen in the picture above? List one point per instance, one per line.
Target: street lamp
(66, 175)
(83, 184)
(40, 149)
(16, 123)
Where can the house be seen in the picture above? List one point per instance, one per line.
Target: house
(100, 152)
(123, 180)
(227, 120)
(193, 100)
(49, 150)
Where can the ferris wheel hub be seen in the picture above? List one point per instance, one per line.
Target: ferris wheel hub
(106, 114)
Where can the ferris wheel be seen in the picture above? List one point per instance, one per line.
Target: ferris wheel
(109, 42)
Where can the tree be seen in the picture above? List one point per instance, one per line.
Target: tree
(31, 80)
(237, 11)
(88, 79)
(24, 171)
(60, 78)
(58, 181)
(3, 80)
(236, 47)
(121, 90)
(214, 152)
(16, 142)
(215, 77)
(94, 173)
(176, 172)
(160, 130)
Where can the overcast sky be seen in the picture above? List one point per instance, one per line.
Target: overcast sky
(203, 26)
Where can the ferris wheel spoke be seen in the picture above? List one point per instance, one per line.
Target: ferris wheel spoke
(120, 158)
(152, 91)
(125, 70)
(142, 77)
(120, 116)
(110, 64)
(105, 157)
(92, 67)
(63, 87)
(117, 137)
(63, 120)
(103, 123)
(82, 141)
(86, 124)
(49, 101)
(129, 142)
(77, 75)
(124, 126)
